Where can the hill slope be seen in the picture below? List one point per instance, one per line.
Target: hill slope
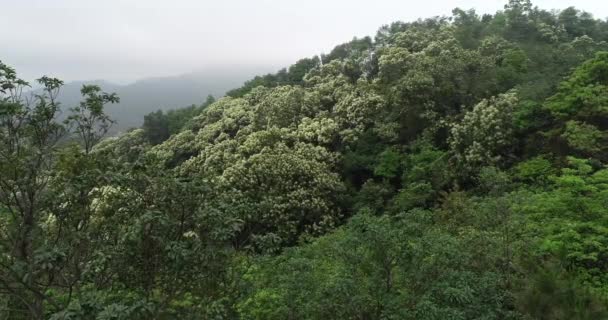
(448, 168)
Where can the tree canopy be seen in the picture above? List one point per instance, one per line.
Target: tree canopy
(448, 168)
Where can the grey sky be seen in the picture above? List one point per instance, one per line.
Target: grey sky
(124, 40)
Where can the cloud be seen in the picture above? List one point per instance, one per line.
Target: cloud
(123, 40)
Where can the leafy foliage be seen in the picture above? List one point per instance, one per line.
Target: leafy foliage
(449, 168)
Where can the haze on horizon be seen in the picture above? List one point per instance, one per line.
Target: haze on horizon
(125, 40)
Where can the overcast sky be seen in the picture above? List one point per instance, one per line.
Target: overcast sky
(125, 40)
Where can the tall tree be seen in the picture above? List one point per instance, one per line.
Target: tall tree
(30, 137)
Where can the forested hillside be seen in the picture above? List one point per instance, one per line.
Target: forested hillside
(448, 168)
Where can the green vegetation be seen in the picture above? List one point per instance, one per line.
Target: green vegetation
(159, 126)
(449, 168)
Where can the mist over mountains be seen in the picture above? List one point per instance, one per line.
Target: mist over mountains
(159, 93)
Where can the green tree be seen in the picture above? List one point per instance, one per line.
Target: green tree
(88, 120)
(485, 133)
(156, 126)
(580, 108)
(33, 259)
(29, 137)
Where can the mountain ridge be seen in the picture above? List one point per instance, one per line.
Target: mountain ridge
(148, 95)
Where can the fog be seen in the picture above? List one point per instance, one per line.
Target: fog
(126, 40)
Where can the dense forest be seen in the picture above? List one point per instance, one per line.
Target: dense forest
(447, 168)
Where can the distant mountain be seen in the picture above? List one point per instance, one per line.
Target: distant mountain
(148, 95)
